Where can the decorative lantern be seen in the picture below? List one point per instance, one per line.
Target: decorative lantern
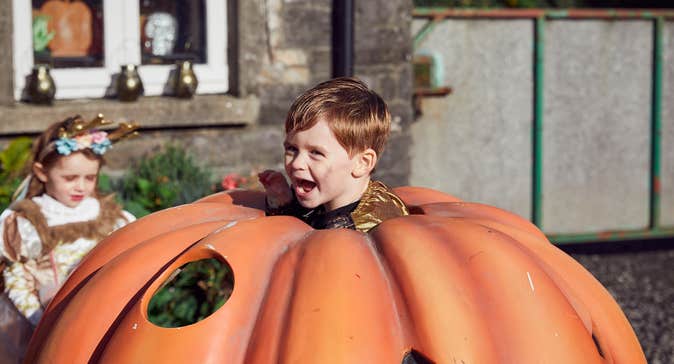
(129, 84)
(185, 82)
(453, 282)
(41, 88)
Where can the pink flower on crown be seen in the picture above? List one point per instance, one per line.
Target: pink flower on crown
(98, 137)
(83, 141)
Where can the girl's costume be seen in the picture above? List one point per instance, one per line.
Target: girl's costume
(43, 240)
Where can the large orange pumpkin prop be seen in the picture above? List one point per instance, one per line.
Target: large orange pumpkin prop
(455, 282)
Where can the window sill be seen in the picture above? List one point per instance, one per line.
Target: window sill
(150, 112)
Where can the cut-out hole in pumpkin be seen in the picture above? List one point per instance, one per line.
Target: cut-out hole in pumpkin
(192, 293)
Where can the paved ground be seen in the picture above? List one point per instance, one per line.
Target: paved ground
(640, 276)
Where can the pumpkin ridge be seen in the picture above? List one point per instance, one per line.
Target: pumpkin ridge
(167, 245)
(227, 332)
(295, 247)
(287, 313)
(565, 287)
(138, 296)
(604, 312)
(338, 276)
(476, 211)
(573, 295)
(406, 325)
(417, 257)
(542, 287)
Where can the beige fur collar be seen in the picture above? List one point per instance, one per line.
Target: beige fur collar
(97, 229)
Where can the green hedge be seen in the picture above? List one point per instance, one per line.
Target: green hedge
(13, 168)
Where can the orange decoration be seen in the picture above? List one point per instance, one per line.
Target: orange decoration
(456, 282)
(71, 23)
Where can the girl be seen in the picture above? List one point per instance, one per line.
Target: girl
(61, 217)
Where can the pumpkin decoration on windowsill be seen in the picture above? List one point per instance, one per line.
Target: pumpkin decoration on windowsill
(455, 282)
(71, 24)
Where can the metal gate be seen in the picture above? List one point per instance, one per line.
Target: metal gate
(564, 117)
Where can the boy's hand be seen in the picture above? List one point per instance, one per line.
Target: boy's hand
(277, 188)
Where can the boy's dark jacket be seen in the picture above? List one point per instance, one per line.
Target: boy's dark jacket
(377, 204)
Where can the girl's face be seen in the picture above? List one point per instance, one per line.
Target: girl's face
(72, 178)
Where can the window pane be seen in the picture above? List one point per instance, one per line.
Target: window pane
(68, 34)
(172, 31)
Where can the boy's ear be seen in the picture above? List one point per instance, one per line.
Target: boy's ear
(365, 162)
(39, 172)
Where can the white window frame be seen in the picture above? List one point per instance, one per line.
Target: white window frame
(122, 46)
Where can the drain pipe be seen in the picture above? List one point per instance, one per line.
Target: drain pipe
(342, 38)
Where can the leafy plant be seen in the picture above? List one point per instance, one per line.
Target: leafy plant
(197, 290)
(41, 34)
(13, 161)
(167, 179)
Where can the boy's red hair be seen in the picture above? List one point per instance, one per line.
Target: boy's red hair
(357, 116)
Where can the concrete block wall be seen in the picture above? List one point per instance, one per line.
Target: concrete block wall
(596, 134)
(476, 143)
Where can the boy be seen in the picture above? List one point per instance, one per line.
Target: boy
(335, 133)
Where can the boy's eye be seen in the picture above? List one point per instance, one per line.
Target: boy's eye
(316, 152)
(70, 178)
(290, 149)
(91, 178)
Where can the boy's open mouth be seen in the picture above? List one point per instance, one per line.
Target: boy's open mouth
(304, 185)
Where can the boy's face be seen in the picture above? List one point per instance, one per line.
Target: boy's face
(320, 169)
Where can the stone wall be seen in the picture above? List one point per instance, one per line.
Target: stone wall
(277, 49)
(285, 48)
(6, 76)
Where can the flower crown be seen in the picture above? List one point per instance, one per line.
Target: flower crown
(80, 135)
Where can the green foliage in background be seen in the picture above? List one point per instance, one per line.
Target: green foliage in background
(199, 288)
(13, 160)
(169, 178)
(41, 34)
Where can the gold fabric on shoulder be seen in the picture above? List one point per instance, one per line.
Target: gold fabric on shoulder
(378, 203)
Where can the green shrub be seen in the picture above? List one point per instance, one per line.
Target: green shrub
(13, 161)
(167, 179)
(197, 290)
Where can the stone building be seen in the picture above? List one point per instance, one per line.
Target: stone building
(269, 51)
